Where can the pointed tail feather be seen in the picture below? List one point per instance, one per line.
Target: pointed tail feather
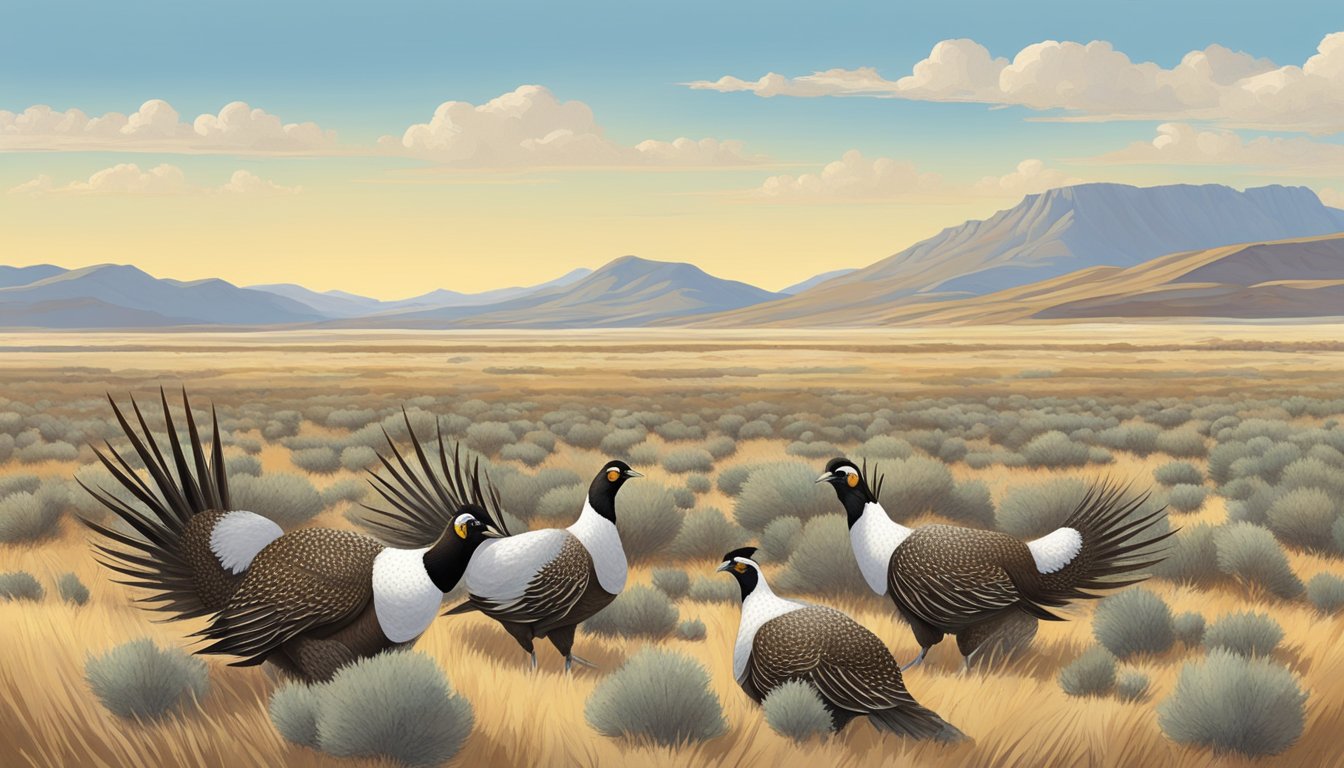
(1120, 539)
(159, 547)
(917, 722)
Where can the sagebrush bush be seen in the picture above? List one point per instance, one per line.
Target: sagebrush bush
(286, 498)
(657, 695)
(40, 452)
(731, 480)
(1303, 517)
(795, 710)
(647, 519)
(20, 585)
(293, 711)
(1035, 510)
(1188, 628)
(357, 458)
(1186, 498)
(885, 447)
(26, 517)
(530, 454)
(782, 489)
(347, 490)
(684, 460)
(19, 484)
(1326, 592)
(1054, 449)
(1182, 443)
(564, 503)
(823, 561)
(691, 629)
(1249, 554)
(1246, 633)
(242, 464)
(319, 461)
(1191, 557)
(673, 582)
(699, 484)
(706, 534)
(1091, 674)
(639, 611)
(708, 589)
(1132, 622)
(1234, 704)
(488, 437)
(72, 590)
(1178, 473)
(619, 442)
(721, 447)
(396, 705)
(780, 538)
(912, 487)
(139, 679)
(1131, 685)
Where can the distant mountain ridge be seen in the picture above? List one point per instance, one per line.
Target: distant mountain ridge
(1048, 235)
(626, 292)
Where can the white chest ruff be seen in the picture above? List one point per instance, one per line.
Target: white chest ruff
(238, 536)
(874, 538)
(405, 600)
(760, 606)
(501, 569)
(1056, 549)
(599, 536)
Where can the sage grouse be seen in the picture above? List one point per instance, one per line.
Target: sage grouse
(968, 582)
(543, 583)
(309, 601)
(779, 641)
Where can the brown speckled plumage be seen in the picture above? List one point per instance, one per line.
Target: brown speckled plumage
(850, 668)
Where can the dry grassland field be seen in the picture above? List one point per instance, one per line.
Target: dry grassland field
(1236, 427)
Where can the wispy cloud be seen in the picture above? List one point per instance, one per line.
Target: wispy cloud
(164, 179)
(1185, 144)
(1095, 81)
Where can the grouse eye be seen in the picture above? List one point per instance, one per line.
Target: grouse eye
(852, 479)
(461, 529)
(740, 567)
(613, 475)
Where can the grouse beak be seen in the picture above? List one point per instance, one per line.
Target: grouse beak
(826, 477)
(725, 565)
(632, 473)
(491, 532)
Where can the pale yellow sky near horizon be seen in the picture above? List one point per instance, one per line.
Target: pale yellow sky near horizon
(390, 241)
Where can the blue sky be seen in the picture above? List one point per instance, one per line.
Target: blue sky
(365, 71)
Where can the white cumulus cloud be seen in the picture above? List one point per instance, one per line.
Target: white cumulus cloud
(530, 127)
(1095, 81)
(1031, 177)
(853, 176)
(1185, 144)
(157, 127)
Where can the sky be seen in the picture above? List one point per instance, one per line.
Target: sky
(397, 147)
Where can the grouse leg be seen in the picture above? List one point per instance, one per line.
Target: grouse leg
(923, 651)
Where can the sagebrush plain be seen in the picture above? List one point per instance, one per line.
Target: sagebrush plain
(962, 418)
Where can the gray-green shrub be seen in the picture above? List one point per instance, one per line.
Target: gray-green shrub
(1091, 674)
(1132, 622)
(706, 534)
(1303, 517)
(1246, 633)
(1326, 592)
(26, 517)
(1035, 510)
(782, 489)
(1186, 498)
(19, 484)
(823, 561)
(691, 629)
(780, 538)
(731, 480)
(71, 589)
(139, 679)
(396, 705)
(1178, 473)
(659, 696)
(358, 458)
(1249, 554)
(795, 710)
(293, 710)
(673, 582)
(20, 585)
(640, 611)
(711, 589)
(1188, 628)
(1192, 556)
(1234, 704)
(647, 519)
(530, 454)
(286, 498)
(1131, 685)
(1054, 449)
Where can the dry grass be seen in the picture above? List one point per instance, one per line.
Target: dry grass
(1017, 714)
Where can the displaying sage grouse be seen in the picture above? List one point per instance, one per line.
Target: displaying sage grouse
(311, 600)
(779, 641)
(949, 580)
(543, 583)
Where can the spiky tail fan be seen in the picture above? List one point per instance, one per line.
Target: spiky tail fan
(916, 721)
(425, 499)
(160, 555)
(1119, 542)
